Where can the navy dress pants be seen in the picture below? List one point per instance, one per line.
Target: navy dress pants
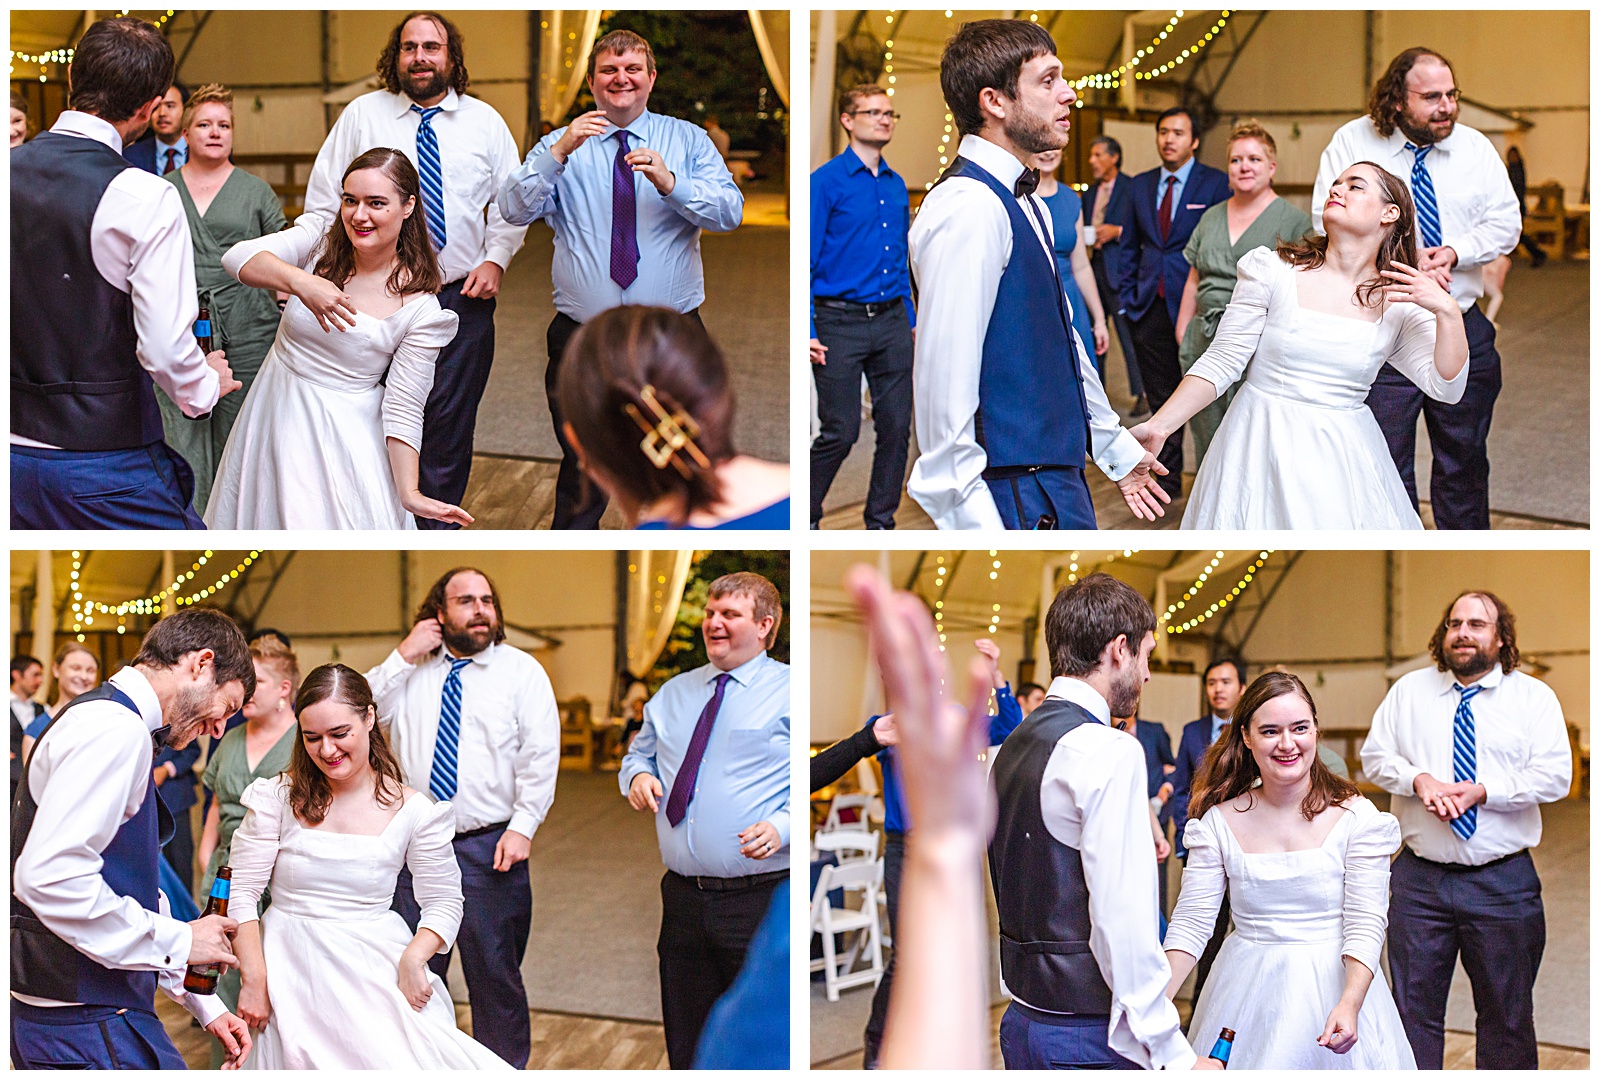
(451, 415)
(1030, 1039)
(147, 488)
(89, 1037)
(1051, 497)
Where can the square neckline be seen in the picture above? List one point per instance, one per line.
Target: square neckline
(404, 802)
(1346, 813)
(1298, 306)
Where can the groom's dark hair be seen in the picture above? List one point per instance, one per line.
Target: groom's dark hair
(117, 66)
(1087, 616)
(988, 53)
(192, 630)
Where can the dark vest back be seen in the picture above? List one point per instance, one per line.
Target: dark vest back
(76, 382)
(1039, 889)
(1031, 407)
(42, 964)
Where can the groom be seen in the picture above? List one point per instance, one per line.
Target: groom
(1008, 403)
(1073, 861)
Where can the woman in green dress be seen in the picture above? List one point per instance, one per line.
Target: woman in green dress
(259, 747)
(1255, 216)
(224, 204)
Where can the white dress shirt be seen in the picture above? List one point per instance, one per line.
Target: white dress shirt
(1524, 759)
(104, 760)
(476, 153)
(960, 244)
(22, 709)
(1478, 213)
(1092, 799)
(510, 745)
(139, 240)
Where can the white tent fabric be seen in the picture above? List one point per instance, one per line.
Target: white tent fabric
(772, 39)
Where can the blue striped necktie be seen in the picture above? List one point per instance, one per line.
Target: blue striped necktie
(432, 175)
(1422, 195)
(442, 781)
(1464, 756)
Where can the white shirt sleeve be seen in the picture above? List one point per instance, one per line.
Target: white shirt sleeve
(411, 372)
(1496, 228)
(1546, 774)
(502, 240)
(254, 851)
(1376, 837)
(1205, 883)
(1412, 355)
(538, 752)
(296, 245)
(960, 244)
(1381, 759)
(388, 684)
(435, 874)
(325, 185)
(1242, 324)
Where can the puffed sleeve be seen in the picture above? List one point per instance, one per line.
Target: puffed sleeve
(1243, 322)
(1375, 837)
(411, 371)
(435, 876)
(1205, 881)
(299, 245)
(255, 844)
(1412, 354)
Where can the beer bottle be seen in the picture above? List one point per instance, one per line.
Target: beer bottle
(202, 329)
(202, 978)
(1223, 1047)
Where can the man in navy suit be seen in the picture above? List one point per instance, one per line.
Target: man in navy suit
(1105, 207)
(163, 148)
(1224, 682)
(1167, 203)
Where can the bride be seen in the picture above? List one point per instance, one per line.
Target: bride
(330, 975)
(321, 442)
(1305, 860)
(1298, 448)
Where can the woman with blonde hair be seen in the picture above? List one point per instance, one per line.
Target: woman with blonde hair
(1254, 216)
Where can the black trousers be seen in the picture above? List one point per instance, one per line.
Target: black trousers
(894, 855)
(704, 937)
(495, 922)
(451, 415)
(880, 347)
(1493, 917)
(1113, 309)
(579, 503)
(1156, 346)
(1459, 433)
(1202, 969)
(179, 851)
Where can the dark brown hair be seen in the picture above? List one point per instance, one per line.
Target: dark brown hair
(1229, 768)
(608, 363)
(619, 42)
(416, 268)
(389, 59)
(1505, 627)
(764, 599)
(20, 103)
(310, 794)
(857, 93)
(1399, 244)
(1086, 617)
(987, 54)
(192, 629)
(1388, 98)
(433, 604)
(117, 66)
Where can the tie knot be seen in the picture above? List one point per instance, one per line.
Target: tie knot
(722, 680)
(426, 114)
(456, 664)
(1467, 692)
(622, 139)
(1420, 151)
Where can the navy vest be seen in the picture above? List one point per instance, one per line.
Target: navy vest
(42, 964)
(1039, 889)
(76, 382)
(1031, 408)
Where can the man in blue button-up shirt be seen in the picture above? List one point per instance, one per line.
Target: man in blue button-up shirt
(861, 312)
(730, 849)
(680, 186)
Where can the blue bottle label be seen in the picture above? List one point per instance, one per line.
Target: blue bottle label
(202, 328)
(1221, 1049)
(219, 888)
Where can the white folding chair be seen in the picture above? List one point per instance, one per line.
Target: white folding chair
(827, 920)
(860, 803)
(850, 846)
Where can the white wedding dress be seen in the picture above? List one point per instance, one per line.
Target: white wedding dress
(307, 451)
(1295, 916)
(333, 945)
(1298, 448)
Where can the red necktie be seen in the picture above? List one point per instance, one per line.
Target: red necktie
(171, 154)
(1166, 229)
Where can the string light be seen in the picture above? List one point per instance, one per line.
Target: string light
(1233, 594)
(938, 605)
(1192, 50)
(1112, 80)
(994, 575)
(84, 611)
(944, 152)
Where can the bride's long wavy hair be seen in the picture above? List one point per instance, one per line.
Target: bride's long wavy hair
(1399, 244)
(310, 794)
(1229, 769)
(416, 267)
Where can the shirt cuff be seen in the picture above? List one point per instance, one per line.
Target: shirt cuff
(1406, 774)
(524, 823)
(780, 821)
(173, 940)
(1119, 458)
(206, 1008)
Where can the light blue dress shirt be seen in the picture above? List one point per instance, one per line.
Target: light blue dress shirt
(744, 775)
(575, 198)
(1217, 724)
(1177, 189)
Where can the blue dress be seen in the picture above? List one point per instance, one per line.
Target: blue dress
(773, 516)
(1066, 216)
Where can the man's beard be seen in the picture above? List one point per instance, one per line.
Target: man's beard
(467, 640)
(1423, 136)
(428, 90)
(1031, 134)
(1479, 662)
(188, 714)
(1124, 696)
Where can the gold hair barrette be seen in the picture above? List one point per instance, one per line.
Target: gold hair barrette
(670, 433)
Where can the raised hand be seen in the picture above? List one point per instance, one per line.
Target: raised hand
(580, 131)
(425, 638)
(1409, 285)
(332, 306)
(1140, 489)
(647, 161)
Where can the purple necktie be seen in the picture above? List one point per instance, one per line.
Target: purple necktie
(683, 785)
(624, 225)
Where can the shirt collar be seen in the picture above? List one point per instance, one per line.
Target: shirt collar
(853, 163)
(402, 103)
(87, 126)
(478, 658)
(1448, 680)
(1181, 172)
(131, 681)
(1080, 693)
(636, 129)
(743, 674)
(181, 146)
(995, 160)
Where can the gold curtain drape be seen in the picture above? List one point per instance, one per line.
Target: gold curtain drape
(772, 39)
(565, 40)
(655, 588)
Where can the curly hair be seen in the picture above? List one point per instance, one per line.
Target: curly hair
(416, 267)
(1399, 244)
(432, 606)
(1388, 98)
(310, 793)
(389, 59)
(1505, 628)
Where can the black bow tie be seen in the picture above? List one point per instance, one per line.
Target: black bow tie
(1026, 183)
(158, 738)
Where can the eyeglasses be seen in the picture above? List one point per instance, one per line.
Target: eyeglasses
(1436, 96)
(877, 114)
(1477, 626)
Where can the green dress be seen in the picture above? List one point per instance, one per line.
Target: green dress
(1218, 263)
(243, 320)
(227, 774)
